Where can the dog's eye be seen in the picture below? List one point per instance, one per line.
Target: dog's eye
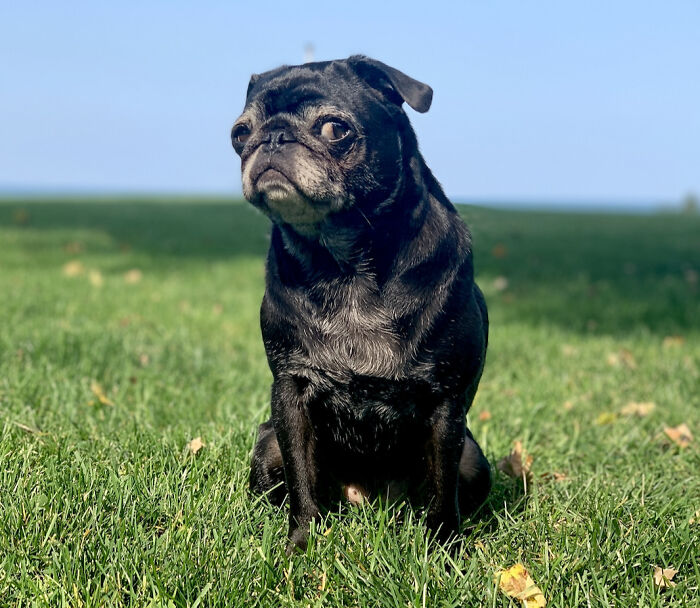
(240, 135)
(333, 130)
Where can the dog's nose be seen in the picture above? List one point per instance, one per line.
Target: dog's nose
(278, 136)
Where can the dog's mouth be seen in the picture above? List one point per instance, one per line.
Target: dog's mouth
(275, 188)
(272, 178)
(286, 203)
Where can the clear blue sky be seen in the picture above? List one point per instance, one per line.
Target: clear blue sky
(557, 100)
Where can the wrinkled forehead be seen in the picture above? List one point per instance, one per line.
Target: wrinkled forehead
(297, 88)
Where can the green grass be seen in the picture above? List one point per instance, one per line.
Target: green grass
(102, 505)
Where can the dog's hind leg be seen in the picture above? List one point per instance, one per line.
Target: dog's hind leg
(474, 476)
(266, 468)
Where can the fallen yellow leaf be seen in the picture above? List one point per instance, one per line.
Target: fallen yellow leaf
(640, 409)
(195, 445)
(695, 518)
(133, 276)
(98, 391)
(622, 357)
(516, 582)
(73, 268)
(500, 283)
(513, 465)
(95, 277)
(680, 435)
(663, 576)
(613, 359)
(554, 476)
(606, 418)
(671, 341)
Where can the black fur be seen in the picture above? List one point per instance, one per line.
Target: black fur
(374, 329)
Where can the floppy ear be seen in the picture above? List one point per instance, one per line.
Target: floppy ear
(253, 79)
(393, 82)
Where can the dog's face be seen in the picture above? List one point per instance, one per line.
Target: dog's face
(319, 138)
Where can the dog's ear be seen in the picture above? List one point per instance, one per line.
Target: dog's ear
(253, 79)
(395, 84)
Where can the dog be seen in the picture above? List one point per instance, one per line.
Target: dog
(374, 329)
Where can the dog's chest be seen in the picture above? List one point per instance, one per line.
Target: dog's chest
(352, 330)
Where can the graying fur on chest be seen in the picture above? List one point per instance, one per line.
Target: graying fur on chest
(354, 332)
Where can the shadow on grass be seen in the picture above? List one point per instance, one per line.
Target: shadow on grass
(589, 273)
(210, 228)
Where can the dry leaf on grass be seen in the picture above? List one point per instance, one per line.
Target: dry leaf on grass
(484, 415)
(133, 276)
(500, 283)
(606, 418)
(73, 268)
(516, 582)
(553, 476)
(195, 445)
(500, 251)
(680, 435)
(514, 466)
(96, 279)
(663, 576)
(672, 341)
(641, 409)
(623, 357)
(695, 519)
(98, 391)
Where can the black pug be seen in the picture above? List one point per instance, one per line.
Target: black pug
(374, 329)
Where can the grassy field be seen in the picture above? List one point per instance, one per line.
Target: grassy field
(130, 327)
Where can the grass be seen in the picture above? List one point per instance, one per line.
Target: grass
(103, 505)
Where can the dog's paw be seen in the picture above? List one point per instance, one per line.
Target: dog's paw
(298, 541)
(445, 526)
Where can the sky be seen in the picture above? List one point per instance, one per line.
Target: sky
(541, 100)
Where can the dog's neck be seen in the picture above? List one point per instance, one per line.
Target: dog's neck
(359, 241)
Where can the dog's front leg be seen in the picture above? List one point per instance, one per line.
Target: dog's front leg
(297, 444)
(444, 451)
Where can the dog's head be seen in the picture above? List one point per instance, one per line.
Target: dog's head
(320, 138)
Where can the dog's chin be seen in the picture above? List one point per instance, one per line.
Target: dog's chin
(286, 204)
